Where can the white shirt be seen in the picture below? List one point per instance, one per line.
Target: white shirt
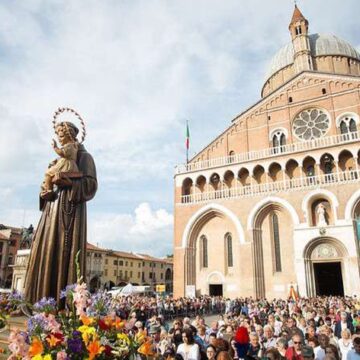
(193, 352)
(319, 353)
(344, 348)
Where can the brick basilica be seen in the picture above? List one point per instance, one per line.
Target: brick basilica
(273, 201)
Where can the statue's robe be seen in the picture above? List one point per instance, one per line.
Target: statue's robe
(60, 234)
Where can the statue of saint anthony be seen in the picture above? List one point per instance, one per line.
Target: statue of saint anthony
(61, 232)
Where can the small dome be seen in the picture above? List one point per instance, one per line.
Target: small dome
(320, 44)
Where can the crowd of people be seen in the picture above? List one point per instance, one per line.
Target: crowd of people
(322, 328)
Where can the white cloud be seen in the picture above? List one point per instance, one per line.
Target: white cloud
(135, 70)
(146, 230)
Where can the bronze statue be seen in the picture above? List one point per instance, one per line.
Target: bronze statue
(61, 231)
(26, 237)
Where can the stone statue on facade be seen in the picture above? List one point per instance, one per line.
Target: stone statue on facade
(321, 213)
(61, 232)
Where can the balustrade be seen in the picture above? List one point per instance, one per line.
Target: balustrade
(293, 184)
(270, 152)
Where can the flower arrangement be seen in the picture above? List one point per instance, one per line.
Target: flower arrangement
(88, 328)
(9, 303)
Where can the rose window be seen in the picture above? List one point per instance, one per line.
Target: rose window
(311, 124)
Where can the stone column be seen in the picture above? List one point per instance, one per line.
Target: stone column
(258, 261)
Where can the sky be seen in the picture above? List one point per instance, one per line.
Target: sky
(135, 70)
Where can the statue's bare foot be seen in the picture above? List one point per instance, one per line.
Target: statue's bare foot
(48, 195)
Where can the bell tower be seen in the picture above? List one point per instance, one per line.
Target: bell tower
(299, 30)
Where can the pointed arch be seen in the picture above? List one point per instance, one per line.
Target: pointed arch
(206, 210)
(350, 205)
(267, 201)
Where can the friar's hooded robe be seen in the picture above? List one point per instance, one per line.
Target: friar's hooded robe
(60, 234)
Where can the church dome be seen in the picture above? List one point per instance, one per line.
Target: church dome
(320, 45)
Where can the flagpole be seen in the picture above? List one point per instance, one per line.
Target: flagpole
(187, 141)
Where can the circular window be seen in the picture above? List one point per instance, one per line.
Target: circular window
(311, 124)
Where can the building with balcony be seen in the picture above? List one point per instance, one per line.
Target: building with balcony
(10, 238)
(109, 268)
(273, 201)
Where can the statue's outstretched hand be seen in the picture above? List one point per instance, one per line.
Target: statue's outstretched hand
(61, 180)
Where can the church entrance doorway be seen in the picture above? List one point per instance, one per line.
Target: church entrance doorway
(328, 279)
(326, 261)
(215, 290)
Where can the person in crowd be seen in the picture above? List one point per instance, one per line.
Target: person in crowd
(294, 351)
(310, 333)
(211, 352)
(255, 348)
(269, 339)
(282, 346)
(332, 350)
(233, 351)
(307, 352)
(354, 354)
(200, 338)
(320, 350)
(313, 342)
(345, 343)
(189, 350)
(345, 322)
(273, 354)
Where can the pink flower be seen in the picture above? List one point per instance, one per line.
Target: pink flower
(61, 355)
(53, 325)
(18, 345)
(81, 296)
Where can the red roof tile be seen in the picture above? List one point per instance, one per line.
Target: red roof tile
(297, 15)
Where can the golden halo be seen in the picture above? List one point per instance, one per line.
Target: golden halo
(60, 111)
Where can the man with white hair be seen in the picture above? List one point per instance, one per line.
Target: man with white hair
(269, 339)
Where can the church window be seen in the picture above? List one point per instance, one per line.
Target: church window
(311, 124)
(347, 124)
(276, 239)
(290, 99)
(352, 125)
(323, 91)
(229, 250)
(278, 141)
(204, 251)
(231, 156)
(343, 127)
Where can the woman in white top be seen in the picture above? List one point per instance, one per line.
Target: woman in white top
(188, 349)
(345, 343)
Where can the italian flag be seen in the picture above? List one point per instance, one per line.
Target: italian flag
(187, 136)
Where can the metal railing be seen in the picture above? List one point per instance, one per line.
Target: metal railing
(269, 152)
(274, 187)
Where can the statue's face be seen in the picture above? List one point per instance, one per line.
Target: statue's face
(62, 135)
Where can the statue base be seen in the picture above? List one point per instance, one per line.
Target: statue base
(19, 270)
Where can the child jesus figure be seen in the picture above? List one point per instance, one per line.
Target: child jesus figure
(67, 152)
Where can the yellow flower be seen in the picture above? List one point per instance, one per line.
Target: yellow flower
(123, 337)
(40, 357)
(87, 332)
(37, 357)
